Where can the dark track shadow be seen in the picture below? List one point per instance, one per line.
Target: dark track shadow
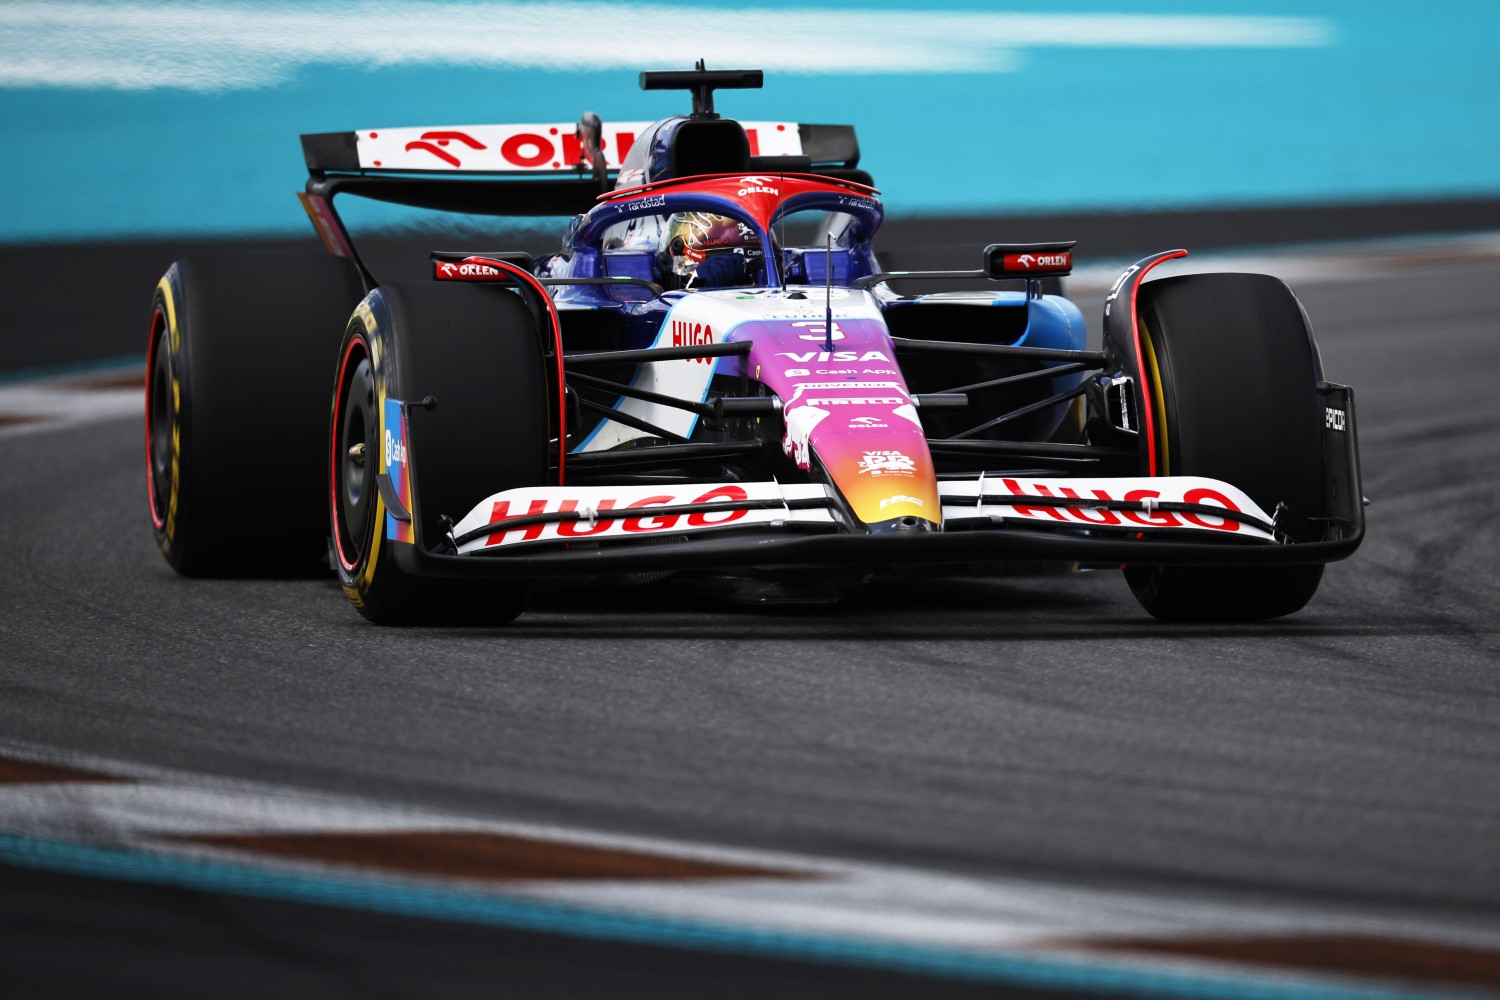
(1040, 609)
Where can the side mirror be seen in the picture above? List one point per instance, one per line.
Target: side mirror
(1029, 260)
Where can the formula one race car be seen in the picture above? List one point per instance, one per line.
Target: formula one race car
(715, 378)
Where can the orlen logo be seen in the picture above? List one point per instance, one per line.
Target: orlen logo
(757, 185)
(1149, 519)
(531, 150)
(395, 449)
(686, 334)
(436, 143)
(465, 271)
(1044, 260)
(644, 521)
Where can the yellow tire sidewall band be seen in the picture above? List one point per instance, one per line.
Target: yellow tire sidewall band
(1148, 342)
(174, 348)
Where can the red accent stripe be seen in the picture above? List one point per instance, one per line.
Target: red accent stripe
(562, 407)
(333, 452)
(1140, 361)
(832, 182)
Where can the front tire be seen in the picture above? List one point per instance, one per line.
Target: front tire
(1233, 368)
(476, 352)
(234, 395)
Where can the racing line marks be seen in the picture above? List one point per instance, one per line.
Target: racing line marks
(24, 771)
(159, 826)
(491, 857)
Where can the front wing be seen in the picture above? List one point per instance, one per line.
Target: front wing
(1166, 520)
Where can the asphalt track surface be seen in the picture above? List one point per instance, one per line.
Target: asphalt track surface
(1039, 727)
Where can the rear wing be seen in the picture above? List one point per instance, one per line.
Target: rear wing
(549, 148)
(519, 170)
(535, 169)
(532, 169)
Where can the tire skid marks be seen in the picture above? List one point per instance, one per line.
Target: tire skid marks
(292, 834)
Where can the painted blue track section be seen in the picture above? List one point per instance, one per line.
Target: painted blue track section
(119, 363)
(447, 904)
(1392, 102)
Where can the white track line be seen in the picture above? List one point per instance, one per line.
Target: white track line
(875, 902)
(60, 402)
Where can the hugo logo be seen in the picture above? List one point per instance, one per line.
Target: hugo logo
(1147, 518)
(605, 517)
(686, 334)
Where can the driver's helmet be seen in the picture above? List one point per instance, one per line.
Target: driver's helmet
(690, 238)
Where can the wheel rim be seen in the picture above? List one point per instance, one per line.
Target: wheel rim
(354, 458)
(159, 414)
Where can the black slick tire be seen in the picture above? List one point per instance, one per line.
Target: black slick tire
(235, 395)
(476, 352)
(1232, 371)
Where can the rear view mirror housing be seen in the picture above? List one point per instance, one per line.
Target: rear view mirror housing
(1029, 260)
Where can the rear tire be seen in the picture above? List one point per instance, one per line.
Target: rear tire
(1235, 373)
(234, 395)
(476, 351)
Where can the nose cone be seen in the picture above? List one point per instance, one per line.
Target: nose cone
(885, 473)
